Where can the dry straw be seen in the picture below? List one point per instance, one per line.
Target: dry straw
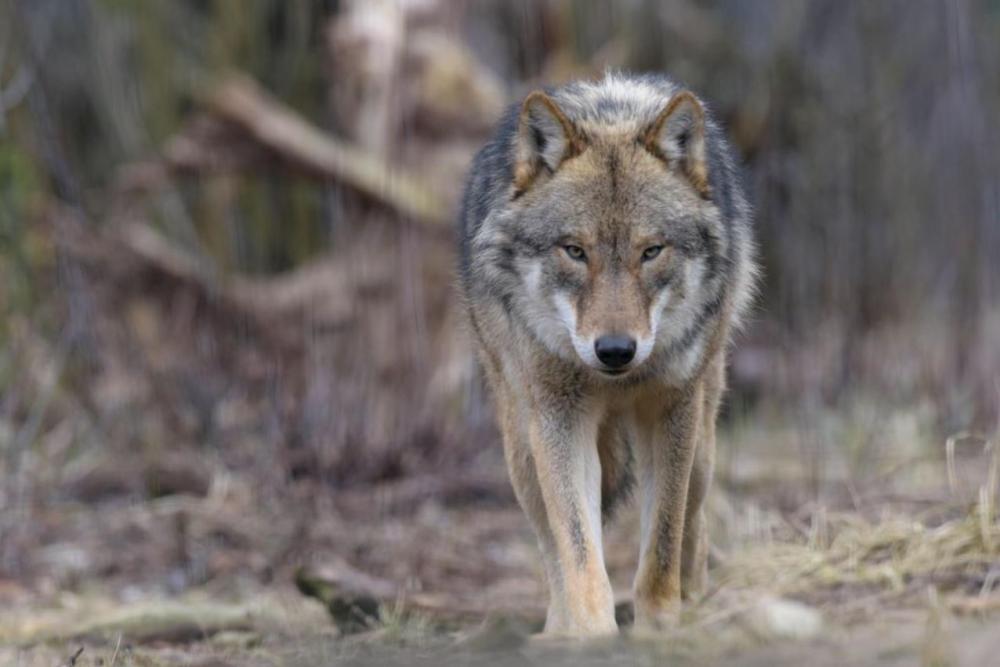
(894, 558)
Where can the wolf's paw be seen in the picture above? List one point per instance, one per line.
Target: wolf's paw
(581, 627)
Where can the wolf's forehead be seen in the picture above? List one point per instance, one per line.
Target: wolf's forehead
(583, 204)
(615, 103)
(620, 181)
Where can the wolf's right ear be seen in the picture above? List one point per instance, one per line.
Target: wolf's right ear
(545, 139)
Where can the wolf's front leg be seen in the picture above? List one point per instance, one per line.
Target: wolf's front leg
(563, 444)
(665, 455)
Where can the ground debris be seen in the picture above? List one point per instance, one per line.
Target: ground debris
(779, 618)
(71, 660)
(498, 632)
(175, 621)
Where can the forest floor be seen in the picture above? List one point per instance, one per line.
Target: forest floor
(852, 541)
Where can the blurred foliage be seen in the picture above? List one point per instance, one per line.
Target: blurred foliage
(15, 184)
(869, 129)
(21, 252)
(120, 78)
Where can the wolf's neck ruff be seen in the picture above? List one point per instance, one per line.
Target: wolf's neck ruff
(606, 256)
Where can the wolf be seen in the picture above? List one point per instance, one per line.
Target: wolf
(606, 258)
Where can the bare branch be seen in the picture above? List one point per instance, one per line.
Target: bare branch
(242, 102)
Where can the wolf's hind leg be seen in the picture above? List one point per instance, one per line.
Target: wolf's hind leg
(615, 452)
(694, 550)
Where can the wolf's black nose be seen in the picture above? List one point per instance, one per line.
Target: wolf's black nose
(615, 351)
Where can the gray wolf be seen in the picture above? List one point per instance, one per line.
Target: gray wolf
(606, 259)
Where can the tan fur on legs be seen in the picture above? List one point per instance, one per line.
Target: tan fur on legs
(555, 471)
(665, 456)
(564, 450)
(521, 467)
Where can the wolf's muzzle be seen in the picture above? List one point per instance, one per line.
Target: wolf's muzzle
(615, 351)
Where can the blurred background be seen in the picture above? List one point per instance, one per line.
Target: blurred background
(226, 260)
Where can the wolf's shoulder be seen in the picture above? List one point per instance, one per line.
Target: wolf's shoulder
(489, 177)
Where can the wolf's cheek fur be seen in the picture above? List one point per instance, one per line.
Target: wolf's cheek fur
(567, 313)
(679, 317)
(646, 343)
(548, 324)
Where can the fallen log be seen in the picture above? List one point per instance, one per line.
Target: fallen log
(357, 601)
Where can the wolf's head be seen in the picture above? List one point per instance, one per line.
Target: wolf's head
(616, 238)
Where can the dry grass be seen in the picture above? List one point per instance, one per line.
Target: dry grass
(873, 563)
(857, 560)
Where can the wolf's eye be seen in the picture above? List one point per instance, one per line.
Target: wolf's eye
(575, 252)
(651, 252)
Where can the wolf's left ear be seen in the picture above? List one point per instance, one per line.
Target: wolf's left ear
(546, 137)
(677, 136)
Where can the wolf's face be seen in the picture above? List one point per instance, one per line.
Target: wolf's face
(617, 240)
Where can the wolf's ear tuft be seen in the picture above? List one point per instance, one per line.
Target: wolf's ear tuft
(677, 136)
(545, 138)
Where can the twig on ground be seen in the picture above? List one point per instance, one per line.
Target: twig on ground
(71, 661)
